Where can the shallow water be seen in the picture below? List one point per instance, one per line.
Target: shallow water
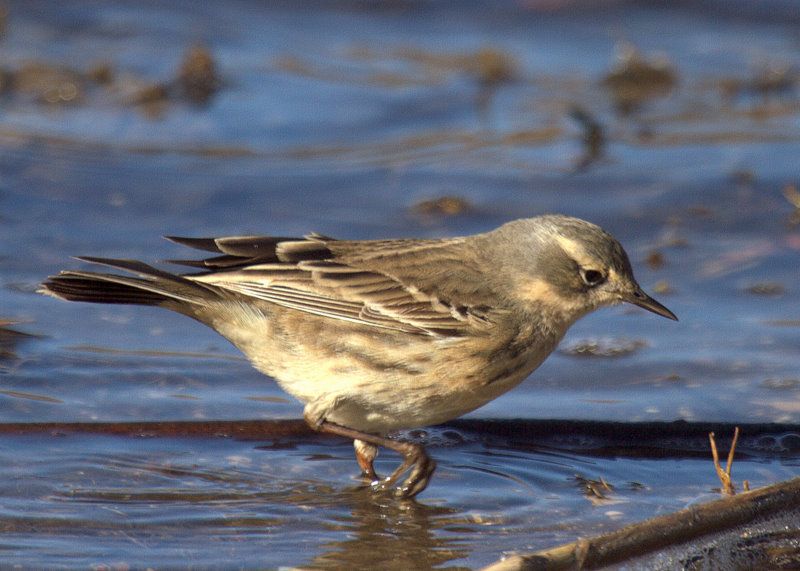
(342, 118)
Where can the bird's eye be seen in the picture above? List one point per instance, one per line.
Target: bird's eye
(592, 277)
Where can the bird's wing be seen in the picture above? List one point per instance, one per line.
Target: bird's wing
(414, 286)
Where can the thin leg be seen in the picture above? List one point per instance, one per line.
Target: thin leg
(414, 458)
(365, 456)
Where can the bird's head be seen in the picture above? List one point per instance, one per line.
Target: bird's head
(568, 266)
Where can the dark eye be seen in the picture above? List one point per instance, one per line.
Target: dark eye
(592, 277)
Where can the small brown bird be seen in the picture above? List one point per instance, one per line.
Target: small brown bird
(380, 335)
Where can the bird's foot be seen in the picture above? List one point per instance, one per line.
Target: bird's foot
(417, 463)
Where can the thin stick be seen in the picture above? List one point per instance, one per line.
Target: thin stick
(729, 462)
(724, 475)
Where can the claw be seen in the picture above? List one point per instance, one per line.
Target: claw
(419, 478)
(422, 467)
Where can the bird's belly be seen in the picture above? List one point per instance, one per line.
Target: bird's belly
(427, 384)
(445, 393)
(378, 381)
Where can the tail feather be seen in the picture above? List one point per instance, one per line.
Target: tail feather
(153, 287)
(95, 290)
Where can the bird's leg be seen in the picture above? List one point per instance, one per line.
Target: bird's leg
(414, 456)
(365, 456)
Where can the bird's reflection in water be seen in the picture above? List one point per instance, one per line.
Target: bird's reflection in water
(388, 533)
(9, 339)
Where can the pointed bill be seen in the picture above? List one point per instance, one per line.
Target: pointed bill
(638, 297)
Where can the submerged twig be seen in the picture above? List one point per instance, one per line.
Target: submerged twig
(725, 475)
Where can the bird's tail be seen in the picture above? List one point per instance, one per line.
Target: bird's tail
(151, 287)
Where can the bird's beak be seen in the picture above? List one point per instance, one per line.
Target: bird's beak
(638, 297)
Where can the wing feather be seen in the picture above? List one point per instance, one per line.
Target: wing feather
(390, 284)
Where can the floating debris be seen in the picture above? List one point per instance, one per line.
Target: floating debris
(197, 76)
(769, 289)
(196, 81)
(595, 489)
(101, 73)
(700, 211)
(662, 287)
(770, 80)
(443, 206)
(781, 384)
(492, 67)
(6, 80)
(150, 94)
(774, 80)
(655, 260)
(743, 177)
(51, 84)
(606, 347)
(791, 194)
(594, 138)
(488, 66)
(635, 79)
(151, 98)
(278, 400)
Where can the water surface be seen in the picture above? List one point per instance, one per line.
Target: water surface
(342, 118)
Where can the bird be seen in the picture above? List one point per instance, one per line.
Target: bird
(380, 336)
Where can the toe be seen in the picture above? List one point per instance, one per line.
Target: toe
(419, 478)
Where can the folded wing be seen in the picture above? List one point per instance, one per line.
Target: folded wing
(404, 285)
